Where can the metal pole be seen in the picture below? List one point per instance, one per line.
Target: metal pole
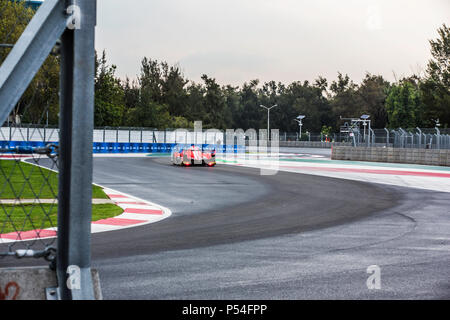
(387, 137)
(438, 138)
(300, 124)
(420, 137)
(268, 119)
(364, 125)
(75, 175)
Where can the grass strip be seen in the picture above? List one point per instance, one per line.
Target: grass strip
(30, 217)
(20, 180)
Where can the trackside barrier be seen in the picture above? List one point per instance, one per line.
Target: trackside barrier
(433, 157)
(118, 147)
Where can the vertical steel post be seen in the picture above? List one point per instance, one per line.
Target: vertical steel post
(76, 138)
(438, 138)
(387, 137)
(420, 137)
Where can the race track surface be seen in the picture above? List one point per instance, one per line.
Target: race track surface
(287, 236)
(227, 204)
(235, 234)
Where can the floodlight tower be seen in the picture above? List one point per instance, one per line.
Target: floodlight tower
(300, 124)
(268, 118)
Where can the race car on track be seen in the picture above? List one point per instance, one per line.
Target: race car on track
(193, 155)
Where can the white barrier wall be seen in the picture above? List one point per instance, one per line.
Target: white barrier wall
(112, 135)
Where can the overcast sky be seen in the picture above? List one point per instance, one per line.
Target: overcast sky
(236, 41)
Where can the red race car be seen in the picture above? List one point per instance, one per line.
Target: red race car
(193, 156)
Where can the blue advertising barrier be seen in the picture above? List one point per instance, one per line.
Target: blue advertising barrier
(123, 147)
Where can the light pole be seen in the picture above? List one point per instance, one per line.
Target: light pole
(300, 124)
(268, 118)
(437, 124)
(365, 118)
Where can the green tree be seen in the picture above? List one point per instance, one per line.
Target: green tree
(215, 105)
(232, 100)
(131, 92)
(404, 104)
(302, 98)
(372, 94)
(344, 99)
(435, 87)
(195, 104)
(150, 79)
(41, 97)
(249, 115)
(326, 131)
(149, 114)
(109, 95)
(173, 92)
(14, 17)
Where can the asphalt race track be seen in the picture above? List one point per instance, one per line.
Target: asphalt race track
(226, 204)
(235, 234)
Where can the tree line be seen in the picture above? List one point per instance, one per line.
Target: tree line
(162, 97)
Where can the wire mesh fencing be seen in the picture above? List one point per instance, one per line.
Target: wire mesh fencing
(312, 137)
(47, 79)
(417, 138)
(28, 172)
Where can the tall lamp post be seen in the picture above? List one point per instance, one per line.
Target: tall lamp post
(300, 124)
(365, 120)
(268, 118)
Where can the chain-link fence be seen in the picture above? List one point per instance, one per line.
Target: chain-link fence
(46, 112)
(418, 138)
(28, 191)
(313, 137)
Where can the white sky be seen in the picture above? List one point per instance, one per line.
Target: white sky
(236, 41)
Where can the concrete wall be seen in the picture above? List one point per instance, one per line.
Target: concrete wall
(312, 144)
(30, 283)
(393, 155)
